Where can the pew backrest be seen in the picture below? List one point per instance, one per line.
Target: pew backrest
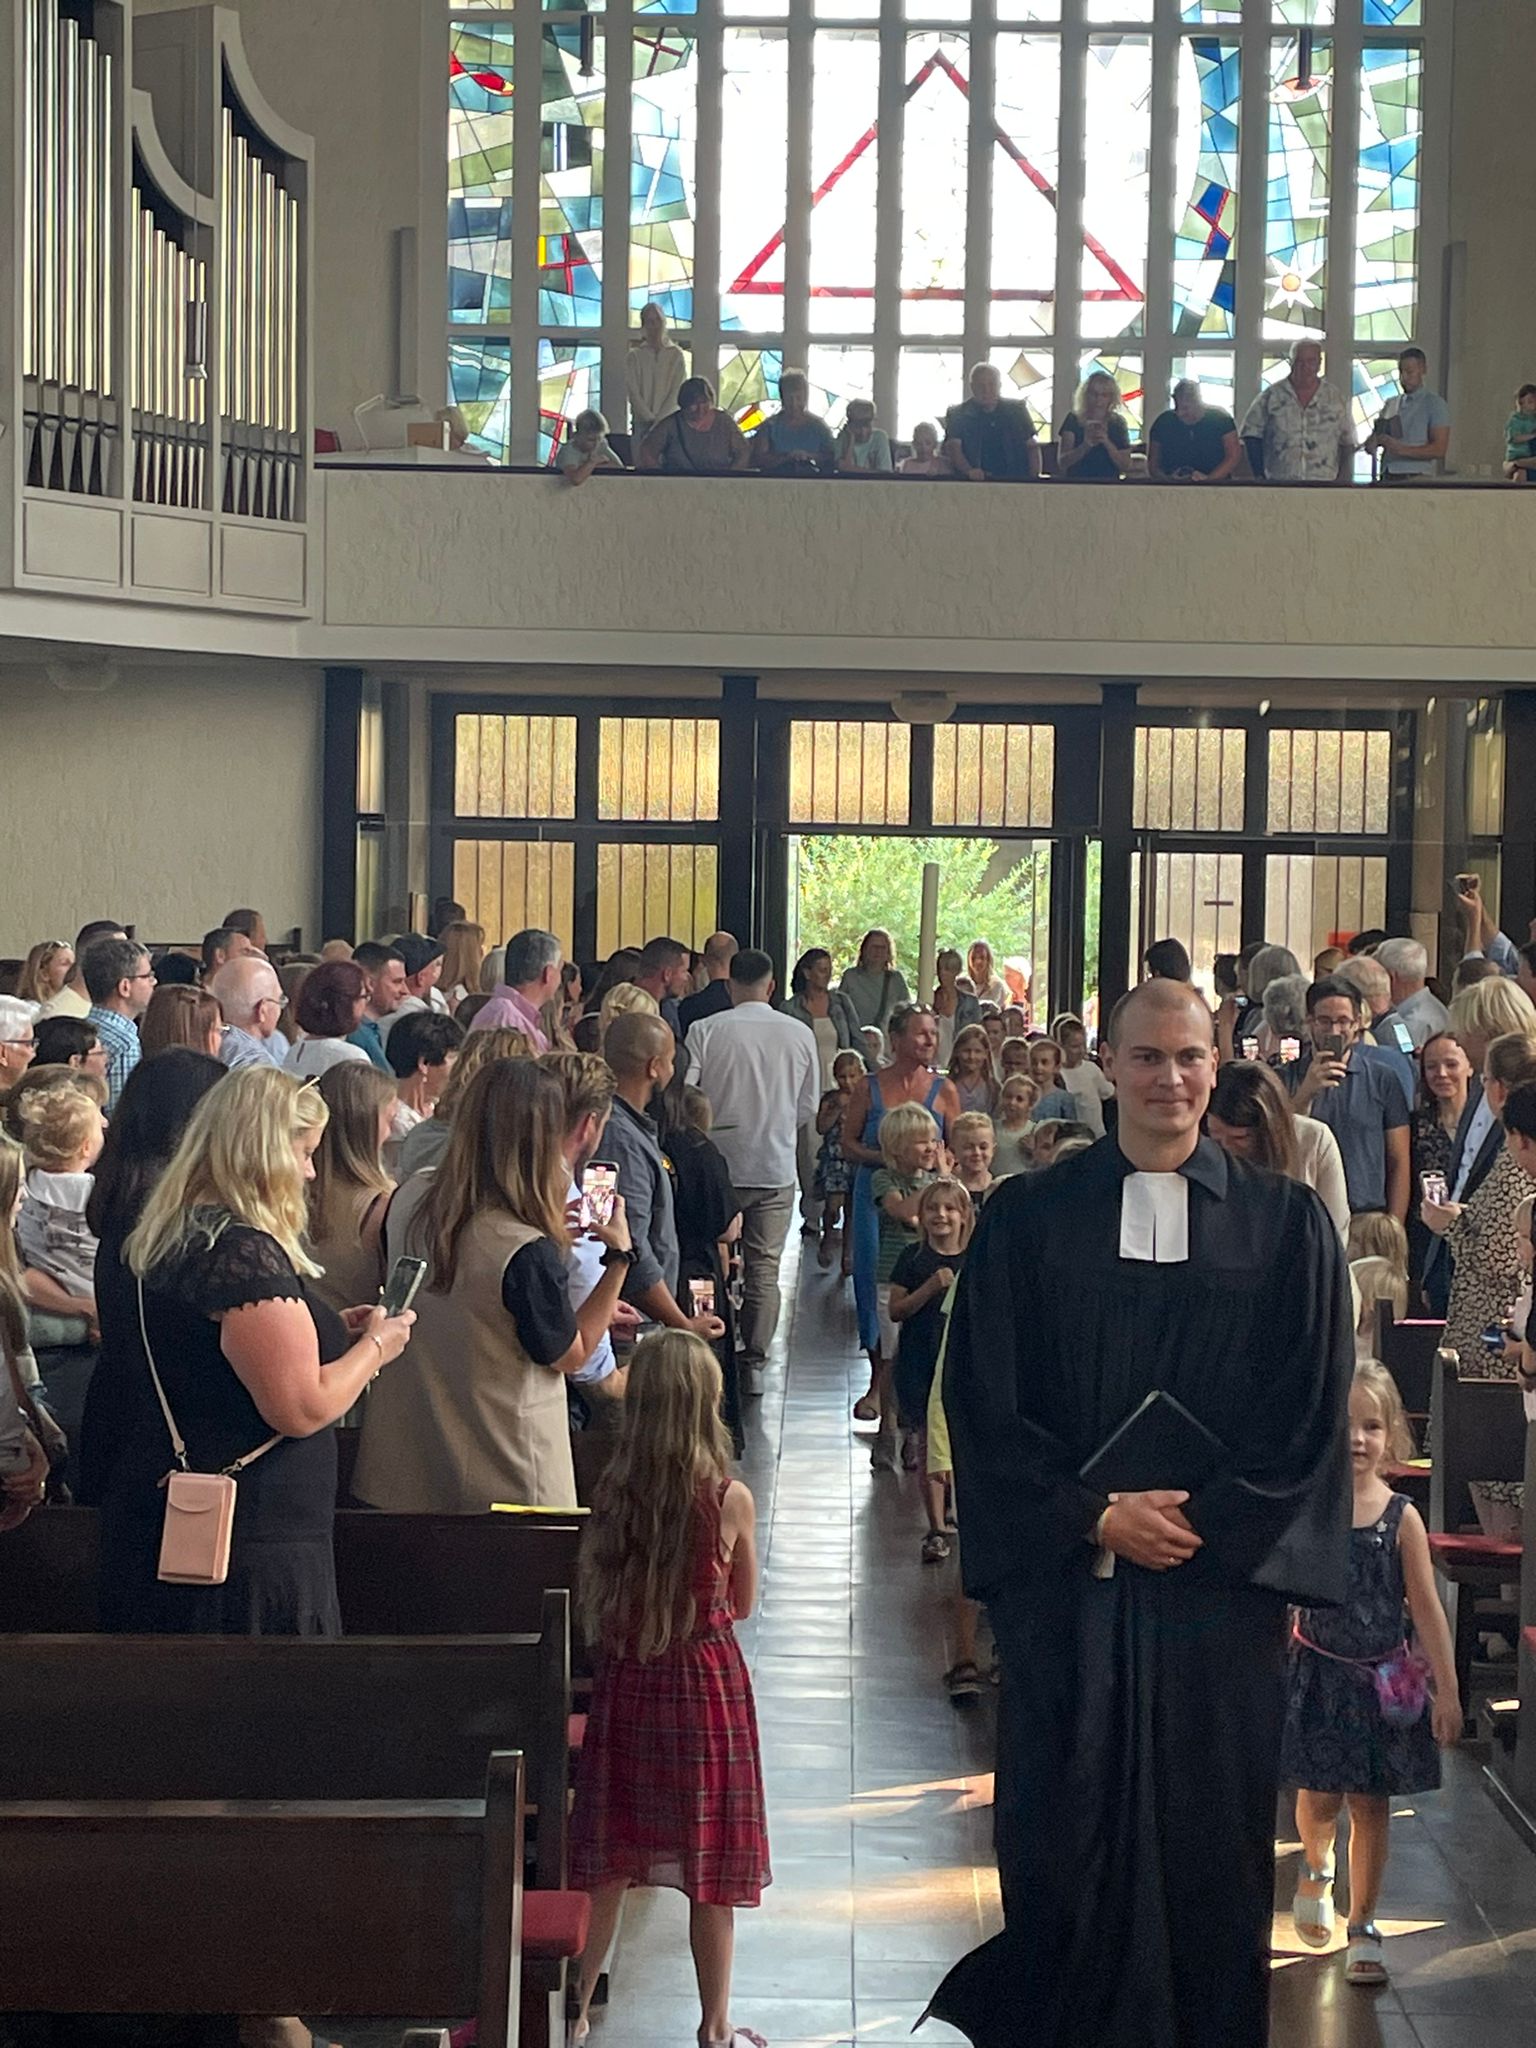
(1407, 1349)
(1477, 1431)
(152, 1718)
(328, 1907)
(451, 1575)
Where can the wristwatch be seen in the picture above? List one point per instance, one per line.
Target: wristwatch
(614, 1256)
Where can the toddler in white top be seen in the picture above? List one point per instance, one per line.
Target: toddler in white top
(1085, 1082)
(63, 1129)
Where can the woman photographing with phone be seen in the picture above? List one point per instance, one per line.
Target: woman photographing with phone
(481, 1415)
(246, 1352)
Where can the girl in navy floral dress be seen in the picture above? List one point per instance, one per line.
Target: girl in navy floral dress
(1361, 1726)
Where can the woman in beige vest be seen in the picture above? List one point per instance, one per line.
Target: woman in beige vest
(480, 1417)
(350, 1191)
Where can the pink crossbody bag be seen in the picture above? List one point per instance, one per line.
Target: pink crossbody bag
(199, 1506)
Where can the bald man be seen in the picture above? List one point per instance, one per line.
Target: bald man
(1142, 1633)
(641, 1051)
(250, 999)
(720, 949)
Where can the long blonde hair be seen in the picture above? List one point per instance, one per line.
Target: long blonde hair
(463, 947)
(1382, 1388)
(503, 1155)
(236, 1158)
(30, 987)
(347, 1161)
(13, 1167)
(635, 1586)
(479, 1049)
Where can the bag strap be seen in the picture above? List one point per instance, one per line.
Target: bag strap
(1398, 1649)
(178, 1442)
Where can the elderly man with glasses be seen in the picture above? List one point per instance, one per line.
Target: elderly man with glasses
(250, 999)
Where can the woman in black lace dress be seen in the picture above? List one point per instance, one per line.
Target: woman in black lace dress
(245, 1352)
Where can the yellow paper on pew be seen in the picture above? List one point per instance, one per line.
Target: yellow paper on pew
(507, 1507)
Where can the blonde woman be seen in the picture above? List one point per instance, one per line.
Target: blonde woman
(463, 956)
(48, 966)
(1094, 445)
(246, 1352)
(622, 1000)
(351, 1188)
(480, 1416)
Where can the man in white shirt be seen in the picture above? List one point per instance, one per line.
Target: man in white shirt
(759, 1070)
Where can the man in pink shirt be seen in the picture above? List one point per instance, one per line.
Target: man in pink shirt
(531, 978)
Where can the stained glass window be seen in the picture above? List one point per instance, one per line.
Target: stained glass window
(570, 256)
(1205, 239)
(1025, 173)
(479, 172)
(1387, 206)
(935, 176)
(1300, 164)
(1485, 766)
(754, 171)
(846, 161)
(850, 251)
(1116, 189)
(1196, 898)
(661, 202)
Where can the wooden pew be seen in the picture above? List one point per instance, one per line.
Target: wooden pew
(1477, 1432)
(454, 1575)
(1407, 1349)
(335, 1909)
(48, 1574)
(405, 1575)
(154, 1718)
(1511, 1770)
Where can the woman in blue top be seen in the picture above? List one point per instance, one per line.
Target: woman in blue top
(910, 1077)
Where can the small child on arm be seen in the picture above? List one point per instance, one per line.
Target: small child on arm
(920, 1284)
(833, 1179)
(910, 1147)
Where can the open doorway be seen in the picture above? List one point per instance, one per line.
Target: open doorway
(997, 889)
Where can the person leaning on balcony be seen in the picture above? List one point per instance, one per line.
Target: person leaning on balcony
(989, 436)
(1193, 442)
(699, 439)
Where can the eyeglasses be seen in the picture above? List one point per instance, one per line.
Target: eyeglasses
(144, 974)
(18, 1041)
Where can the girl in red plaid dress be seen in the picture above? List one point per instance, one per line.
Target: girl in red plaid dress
(670, 1789)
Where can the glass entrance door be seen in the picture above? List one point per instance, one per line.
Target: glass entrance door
(1192, 895)
(840, 884)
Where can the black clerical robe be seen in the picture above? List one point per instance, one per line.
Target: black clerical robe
(1140, 1719)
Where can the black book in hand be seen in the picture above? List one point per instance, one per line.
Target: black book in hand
(1159, 1446)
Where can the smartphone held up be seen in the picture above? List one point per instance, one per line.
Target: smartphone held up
(599, 1186)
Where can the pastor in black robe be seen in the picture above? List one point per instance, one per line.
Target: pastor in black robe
(1140, 1720)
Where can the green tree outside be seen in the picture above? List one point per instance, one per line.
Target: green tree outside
(841, 885)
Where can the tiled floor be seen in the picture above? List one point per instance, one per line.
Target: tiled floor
(878, 1790)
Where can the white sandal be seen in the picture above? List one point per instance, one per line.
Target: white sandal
(1365, 1965)
(1313, 1919)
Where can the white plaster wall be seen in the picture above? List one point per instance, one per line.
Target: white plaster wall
(164, 801)
(969, 576)
(1492, 196)
(351, 74)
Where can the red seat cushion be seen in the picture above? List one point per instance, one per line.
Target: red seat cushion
(1530, 1639)
(555, 1925)
(1473, 1548)
(575, 1731)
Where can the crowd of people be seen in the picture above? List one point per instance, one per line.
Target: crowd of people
(213, 1159)
(1298, 429)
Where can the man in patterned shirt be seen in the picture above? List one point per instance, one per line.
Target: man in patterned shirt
(1298, 430)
